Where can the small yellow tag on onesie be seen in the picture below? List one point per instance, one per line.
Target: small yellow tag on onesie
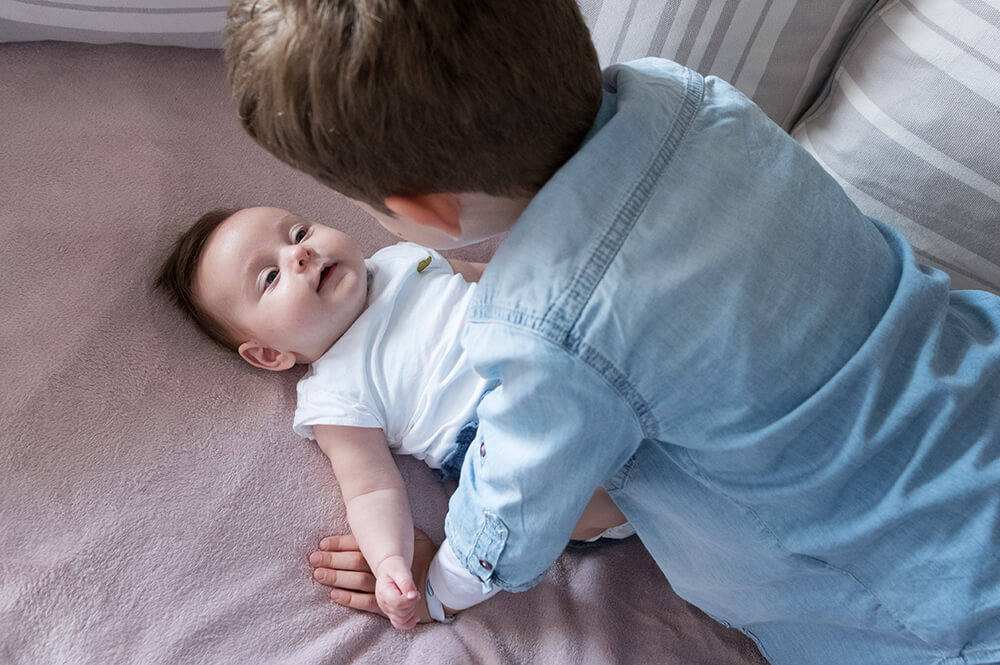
(423, 264)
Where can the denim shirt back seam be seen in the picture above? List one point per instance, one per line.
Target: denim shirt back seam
(564, 312)
(560, 323)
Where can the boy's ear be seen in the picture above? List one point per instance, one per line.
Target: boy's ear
(439, 211)
(265, 357)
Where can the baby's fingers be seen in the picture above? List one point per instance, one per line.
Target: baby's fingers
(399, 579)
(407, 624)
(392, 602)
(408, 590)
(401, 618)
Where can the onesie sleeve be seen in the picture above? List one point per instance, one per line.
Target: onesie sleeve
(318, 406)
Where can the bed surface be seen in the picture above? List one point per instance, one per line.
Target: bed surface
(156, 506)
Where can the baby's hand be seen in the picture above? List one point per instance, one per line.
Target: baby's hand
(396, 592)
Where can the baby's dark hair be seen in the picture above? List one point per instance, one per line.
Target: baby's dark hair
(177, 275)
(379, 98)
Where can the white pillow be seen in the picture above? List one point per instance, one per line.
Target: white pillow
(911, 128)
(192, 23)
(778, 52)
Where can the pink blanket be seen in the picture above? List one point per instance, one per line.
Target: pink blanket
(155, 505)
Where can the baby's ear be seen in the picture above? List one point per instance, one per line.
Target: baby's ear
(265, 357)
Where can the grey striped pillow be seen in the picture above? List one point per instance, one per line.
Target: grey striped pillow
(911, 128)
(192, 23)
(778, 52)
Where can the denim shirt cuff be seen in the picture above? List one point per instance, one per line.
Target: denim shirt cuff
(482, 558)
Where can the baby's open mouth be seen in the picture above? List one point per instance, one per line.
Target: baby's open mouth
(324, 274)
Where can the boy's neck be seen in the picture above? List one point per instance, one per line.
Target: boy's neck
(485, 216)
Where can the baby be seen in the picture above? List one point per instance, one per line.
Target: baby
(387, 374)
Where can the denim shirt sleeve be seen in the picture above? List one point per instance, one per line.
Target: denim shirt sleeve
(552, 433)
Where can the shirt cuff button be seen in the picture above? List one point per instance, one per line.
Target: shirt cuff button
(485, 564)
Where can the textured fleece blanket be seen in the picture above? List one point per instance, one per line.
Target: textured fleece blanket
(156, 507)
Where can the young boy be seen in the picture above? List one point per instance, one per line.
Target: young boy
(801, 423)
(387, 372)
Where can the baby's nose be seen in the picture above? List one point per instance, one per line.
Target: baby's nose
(299, 256)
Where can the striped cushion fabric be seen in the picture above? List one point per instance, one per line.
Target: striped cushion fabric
(911, 128)
(192, 23)
(778, 52)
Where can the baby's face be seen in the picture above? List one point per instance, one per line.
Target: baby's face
(281, 281)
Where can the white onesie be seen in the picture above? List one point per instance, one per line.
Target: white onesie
(400, 366)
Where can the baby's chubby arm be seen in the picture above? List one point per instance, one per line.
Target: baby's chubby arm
(378, 512)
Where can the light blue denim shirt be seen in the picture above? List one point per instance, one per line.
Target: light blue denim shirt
(802, 424)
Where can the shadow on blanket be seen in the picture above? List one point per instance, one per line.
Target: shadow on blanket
(156, 506)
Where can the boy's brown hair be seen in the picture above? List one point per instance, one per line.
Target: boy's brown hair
(177, 274)
(378, 98)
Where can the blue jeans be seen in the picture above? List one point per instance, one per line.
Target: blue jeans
(451, 466)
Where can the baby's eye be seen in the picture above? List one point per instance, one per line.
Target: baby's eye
(271, 276)
(299, 235)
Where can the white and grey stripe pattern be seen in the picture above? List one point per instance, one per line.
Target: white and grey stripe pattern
(778, 52)
(192, 23)
(911, 128)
